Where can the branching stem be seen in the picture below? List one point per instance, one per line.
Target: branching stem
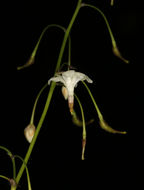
(52, 87)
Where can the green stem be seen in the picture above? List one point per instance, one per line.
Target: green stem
(112, 2)
(106, 21)
(69, 54)
(67, 34)
(84, 128)
(94, 102)
(36, 132)
(35, 104)
(102, 122)
(27, 172)
(12, 159)
(52, 87)
(42, 34)
(83, 118)
(114, 45)
(4, 177)
(13, 187)
(32, 57)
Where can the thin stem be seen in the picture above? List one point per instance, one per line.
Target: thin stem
(27, 172)
(112, 2)
(35, 104)
(4, 177)
(67, 34)
(114, 45)
(106, 21)
(32, 57)
(102, 122)
(84, 128)
(12, 159)
(77, 121)
(42, 34)
(52, 87)
(94, 102)
(69, 54)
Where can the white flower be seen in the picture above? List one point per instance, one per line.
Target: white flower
(70, 79)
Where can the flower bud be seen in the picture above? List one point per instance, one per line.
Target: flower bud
(64, 92)
(29, 132)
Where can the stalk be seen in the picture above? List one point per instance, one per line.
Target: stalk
(52, 87)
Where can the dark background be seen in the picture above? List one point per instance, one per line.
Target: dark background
(117, 86)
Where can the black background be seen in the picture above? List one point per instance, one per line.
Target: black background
(117, 86)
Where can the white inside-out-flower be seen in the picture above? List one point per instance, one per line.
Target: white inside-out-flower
(29, 132)
(69, 79)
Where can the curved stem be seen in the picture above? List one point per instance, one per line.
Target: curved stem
(84, 128)
(35, 104)
(69, 54)
(67, 34)
(27, 172)
(102, 122)
(83, 118)
(114, 45)
(77, 121)
(42, 34)
(4, 177)
(12, 159)
(36, 132)
(52, 87)
(94, 102)
(32, 57)
(105, 19)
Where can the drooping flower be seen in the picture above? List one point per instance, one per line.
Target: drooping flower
(70, 79)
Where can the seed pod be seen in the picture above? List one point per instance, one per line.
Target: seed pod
(109, 129)
(29, 132)
(28, 63)
(117, 53)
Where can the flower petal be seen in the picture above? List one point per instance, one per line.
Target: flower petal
(68, 73)
(56, 79)
(82, 77)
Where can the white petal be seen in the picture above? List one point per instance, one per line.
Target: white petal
(56, 79)
(68, 73)
(88, 79)
(81, 77)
